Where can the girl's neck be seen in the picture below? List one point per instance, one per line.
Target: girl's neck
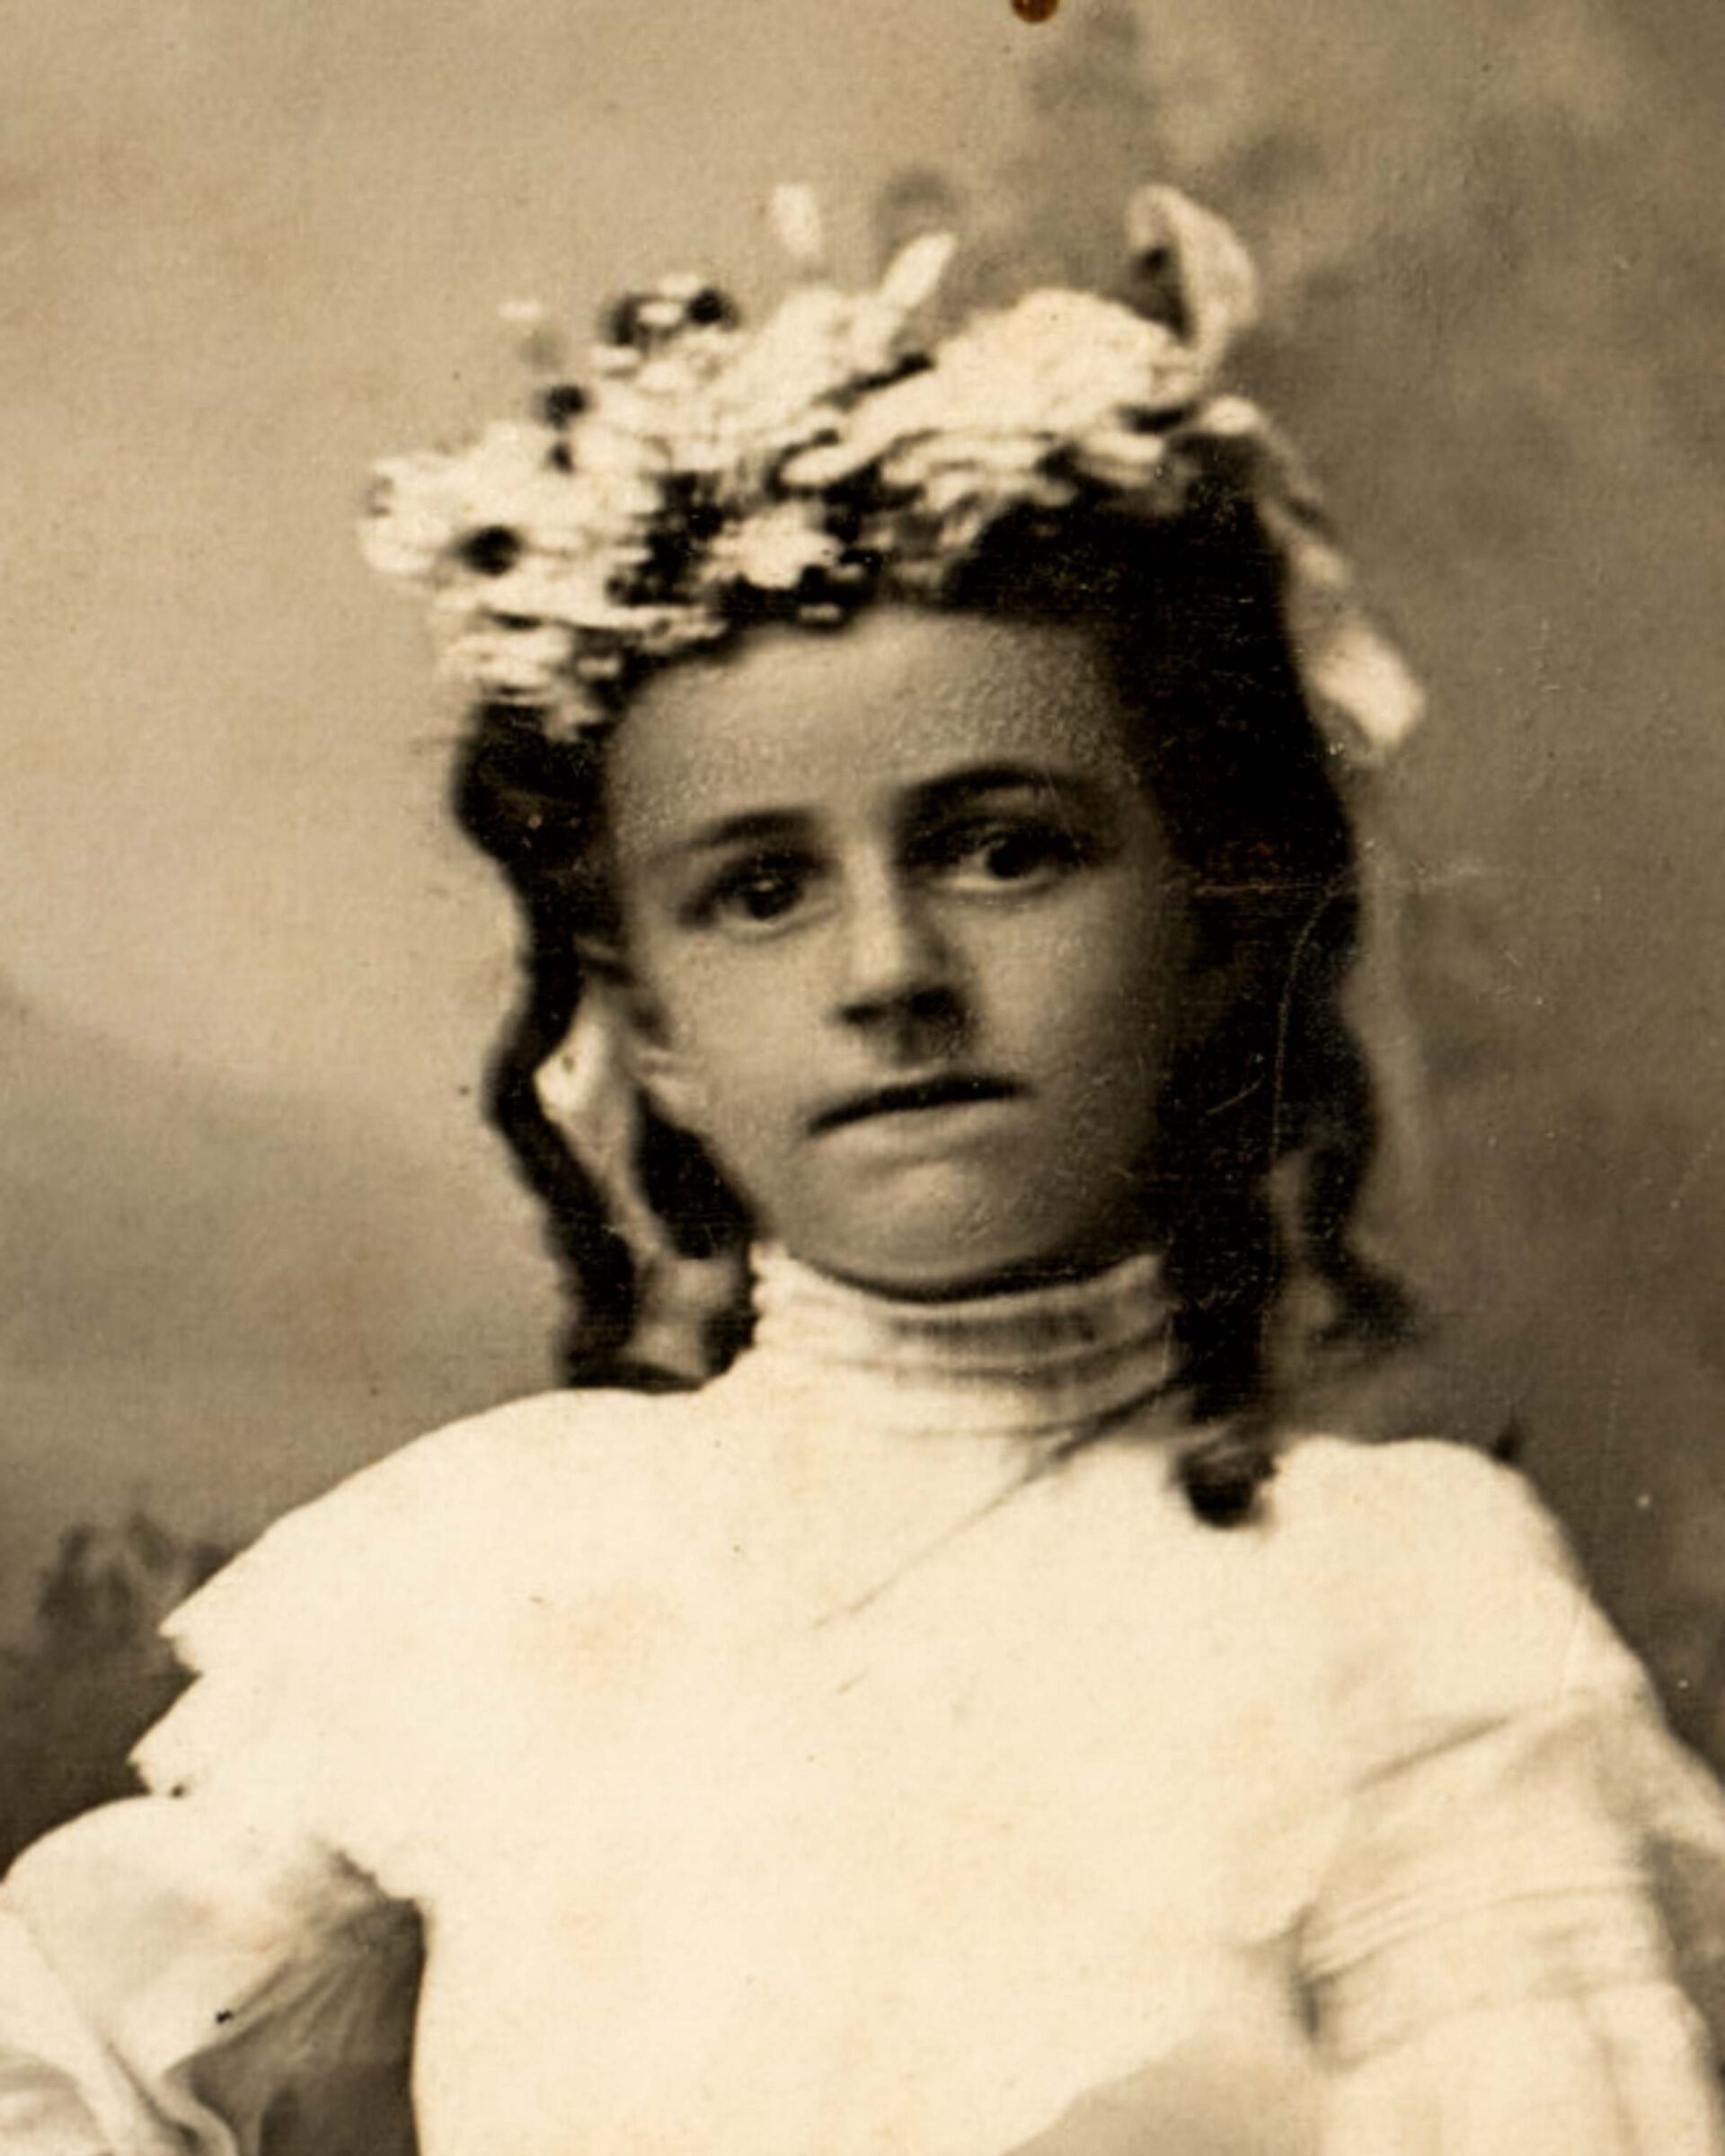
(1027, 1279)
(1010, 1359)
(1126, 1231)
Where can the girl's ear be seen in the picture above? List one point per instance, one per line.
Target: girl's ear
(656, 1064)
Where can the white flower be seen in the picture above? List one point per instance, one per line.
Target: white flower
(504, 463)
(415, 505)
(779, 389)
(524, 664)
(1055, 368)
(425, 506)
(1118, 457)
(772, 552)
(1218, 281)
(1074, 355)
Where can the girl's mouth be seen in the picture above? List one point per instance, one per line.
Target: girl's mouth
(951, 1089)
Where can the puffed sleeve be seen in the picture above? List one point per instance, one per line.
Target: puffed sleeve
(217, 1968)
(1518, 1948)
(230, 1965)
(175, 1982)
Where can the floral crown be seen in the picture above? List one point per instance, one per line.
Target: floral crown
(704, 474)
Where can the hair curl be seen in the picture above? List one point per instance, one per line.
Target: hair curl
(1278, 1092)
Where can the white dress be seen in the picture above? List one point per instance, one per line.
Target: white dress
(840, 1760)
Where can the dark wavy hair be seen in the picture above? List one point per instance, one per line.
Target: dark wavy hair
(1268, 1123)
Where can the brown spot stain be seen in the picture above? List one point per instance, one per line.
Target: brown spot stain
(1036, 11)
(613, 1640)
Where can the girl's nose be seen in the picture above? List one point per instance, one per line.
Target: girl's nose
(896, 965)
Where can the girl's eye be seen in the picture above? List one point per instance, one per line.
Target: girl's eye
(989, 856)
(754, 895)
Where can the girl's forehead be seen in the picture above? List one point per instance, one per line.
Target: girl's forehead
(796, 718)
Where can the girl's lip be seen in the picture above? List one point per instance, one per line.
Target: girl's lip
(948, 1088)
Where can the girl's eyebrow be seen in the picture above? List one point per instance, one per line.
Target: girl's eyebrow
(749, 827)
(955, 789)
(931, 797)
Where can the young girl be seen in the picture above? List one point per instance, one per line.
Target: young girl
(909, 1695)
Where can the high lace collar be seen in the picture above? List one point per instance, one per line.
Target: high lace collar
(1032, 1362)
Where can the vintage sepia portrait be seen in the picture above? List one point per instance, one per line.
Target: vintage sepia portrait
(860, 996)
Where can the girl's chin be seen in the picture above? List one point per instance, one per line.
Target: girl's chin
(940, 1232)
(903, 1280)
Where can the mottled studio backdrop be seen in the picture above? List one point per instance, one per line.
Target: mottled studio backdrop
(252, 1233)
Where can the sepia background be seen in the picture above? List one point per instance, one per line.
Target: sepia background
(251, 1231)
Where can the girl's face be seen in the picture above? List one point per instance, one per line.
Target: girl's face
(907, 947)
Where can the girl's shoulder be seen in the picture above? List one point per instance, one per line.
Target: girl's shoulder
(1447, 1592)
(554, 1469)
(383, 1621)
(1423, 1509)
(1437, 1497)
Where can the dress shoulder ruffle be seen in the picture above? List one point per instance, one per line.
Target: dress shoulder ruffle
(342, 1662)
(1448, 1589)
(173, 1980)
(231, 1964)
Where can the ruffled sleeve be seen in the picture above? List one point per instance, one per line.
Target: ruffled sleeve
(368, 1673)
(175, 1982)
(217, 1968)
(1518, 1946)
(213, 1969)
(231, 1964)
